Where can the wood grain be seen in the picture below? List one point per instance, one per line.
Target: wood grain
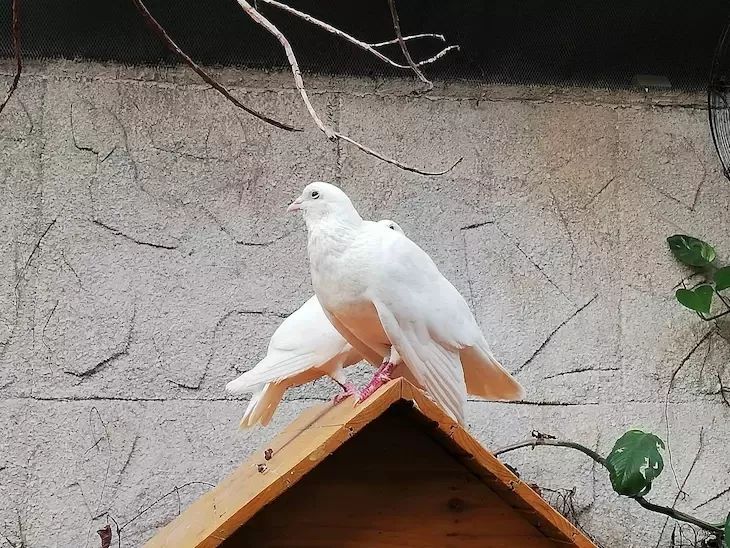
(391, 485)
(411, 477)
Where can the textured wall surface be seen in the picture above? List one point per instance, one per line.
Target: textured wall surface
(146, 258)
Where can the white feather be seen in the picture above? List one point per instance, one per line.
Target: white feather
(381, 289)
(302, 349)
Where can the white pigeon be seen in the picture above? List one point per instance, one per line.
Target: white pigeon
(386, 297)
(302, 349)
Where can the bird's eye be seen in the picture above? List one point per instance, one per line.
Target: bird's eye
(392, 227)
(315, 194)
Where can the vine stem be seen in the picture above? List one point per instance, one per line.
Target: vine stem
(671, 512)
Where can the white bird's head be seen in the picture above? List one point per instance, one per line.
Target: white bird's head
(391, 225)
(319, 199)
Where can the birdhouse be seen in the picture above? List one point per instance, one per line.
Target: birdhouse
(392, 471)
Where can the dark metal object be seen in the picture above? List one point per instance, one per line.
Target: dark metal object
(718, 100)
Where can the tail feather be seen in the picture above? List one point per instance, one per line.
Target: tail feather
(270, 369)
(486, 377)
(263, 403)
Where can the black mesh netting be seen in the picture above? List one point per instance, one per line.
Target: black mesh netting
(561, 42)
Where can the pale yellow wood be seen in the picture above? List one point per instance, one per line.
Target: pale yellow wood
(390, 486)
(496, 474)
(320, 431)
(299, 448)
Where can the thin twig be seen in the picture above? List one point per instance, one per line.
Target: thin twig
(396, 163)
(677, 515)
(176, 489)
(404, 47)
(722, 390)
(681, 491)
(16, 53)
(369, 47)
(557, 443)
(439, 55)
(715, 317)
(671, 512)
(666, 401)
(170, 43)
(439, 37)
(721, 297)
(269, 26)
(331, 134)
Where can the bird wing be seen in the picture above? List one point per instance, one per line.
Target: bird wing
(486, 377)
(430, 324)
(305, 340)
(266, 397)
(436, 368)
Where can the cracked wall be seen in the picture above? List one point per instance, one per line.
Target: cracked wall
(146, 259)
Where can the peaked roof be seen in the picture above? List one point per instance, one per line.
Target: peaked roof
(321, 430)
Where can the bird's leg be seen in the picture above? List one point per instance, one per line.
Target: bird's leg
(382, 375)
(348, 389)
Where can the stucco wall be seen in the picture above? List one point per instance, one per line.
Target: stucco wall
(146, 258)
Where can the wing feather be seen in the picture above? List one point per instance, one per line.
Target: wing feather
(435, 367)
(410, 285)
(272, 368)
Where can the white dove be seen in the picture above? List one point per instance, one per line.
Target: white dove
(386, 297)
(302, 349)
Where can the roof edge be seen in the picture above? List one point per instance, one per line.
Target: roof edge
(317, 433)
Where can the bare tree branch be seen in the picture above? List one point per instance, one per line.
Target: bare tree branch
(16, 52)
(371, 152)
(369, 47)
(261, 20)
(439, 55)
(331, 134)
(439, 37)
(170, 43)
(404, 47)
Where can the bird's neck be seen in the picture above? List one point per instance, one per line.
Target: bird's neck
(342, 217)
(331, 234)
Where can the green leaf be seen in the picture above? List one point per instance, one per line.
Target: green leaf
(727, 532)
(698, 299)
(634, 462)
(691, 251)
(722, 278)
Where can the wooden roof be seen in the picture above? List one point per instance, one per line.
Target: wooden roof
(320, 431)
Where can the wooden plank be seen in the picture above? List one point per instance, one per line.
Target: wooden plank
(321, 430)
(511, 487)
(391, 485)
(298, 449)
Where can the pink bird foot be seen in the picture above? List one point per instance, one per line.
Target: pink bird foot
(349, 389)
(382, 376)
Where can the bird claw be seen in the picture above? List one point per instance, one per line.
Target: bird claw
(350, 390)
(379, 379)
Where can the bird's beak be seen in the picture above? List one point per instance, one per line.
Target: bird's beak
(296, 205)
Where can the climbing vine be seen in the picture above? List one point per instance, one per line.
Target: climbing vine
(633, 464)
(708, 293)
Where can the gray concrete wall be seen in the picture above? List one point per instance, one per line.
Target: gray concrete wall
(146, 258)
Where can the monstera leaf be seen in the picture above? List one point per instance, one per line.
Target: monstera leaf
(634, 462)
(691, 251)
(722, 278)
(698, 299)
